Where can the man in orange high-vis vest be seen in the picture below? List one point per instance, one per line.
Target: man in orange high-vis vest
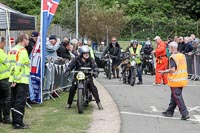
(177, 79)
(161, 61)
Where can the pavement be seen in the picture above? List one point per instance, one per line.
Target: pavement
(106, 120)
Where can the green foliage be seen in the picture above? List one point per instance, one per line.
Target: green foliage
(144, 18)
(31, 7)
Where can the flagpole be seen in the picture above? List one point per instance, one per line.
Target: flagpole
(76, 19)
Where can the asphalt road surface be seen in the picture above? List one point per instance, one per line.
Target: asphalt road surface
(140, 106)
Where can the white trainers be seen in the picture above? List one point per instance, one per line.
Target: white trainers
(156, 84)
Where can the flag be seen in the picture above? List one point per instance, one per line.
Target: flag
(48, 9)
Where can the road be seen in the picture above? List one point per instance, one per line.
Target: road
(140, 106)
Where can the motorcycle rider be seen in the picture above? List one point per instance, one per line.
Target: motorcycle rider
(114, 50)
(83, 60)
(135, 50)
(147, 49)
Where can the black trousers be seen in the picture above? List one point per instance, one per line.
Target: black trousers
(92, 87)
(5, 99)
(18, 101)
(177, 100)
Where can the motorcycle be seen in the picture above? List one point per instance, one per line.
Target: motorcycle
(84, 95)
(148, 64)
(108, 66)
(128, 69)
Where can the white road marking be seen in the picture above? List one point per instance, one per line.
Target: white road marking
(154, 109)
(148, 85)
(197, 108)
(197, 117)
(158, 116)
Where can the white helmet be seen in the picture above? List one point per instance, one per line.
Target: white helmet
(148, 43)
(84, 49)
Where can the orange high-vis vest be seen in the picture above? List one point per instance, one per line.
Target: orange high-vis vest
(180, 77)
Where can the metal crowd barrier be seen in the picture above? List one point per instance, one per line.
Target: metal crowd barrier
(197, 67)
(55, 79)
(193, 66)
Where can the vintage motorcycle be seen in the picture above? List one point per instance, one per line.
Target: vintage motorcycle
(108, 66)
(128, 69)
(148, 64)
(84, 95)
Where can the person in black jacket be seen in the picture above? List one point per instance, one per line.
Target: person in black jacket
(63, 50)
(32, 42)
(181, 44)
(188, 45)
(114, 51)
(83, 60)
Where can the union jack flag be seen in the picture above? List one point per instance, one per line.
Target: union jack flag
(48, 9)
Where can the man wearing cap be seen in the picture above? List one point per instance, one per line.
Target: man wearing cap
(32, 42)
(51, 48)
(51, 55)
(196, 47)
(161, 61)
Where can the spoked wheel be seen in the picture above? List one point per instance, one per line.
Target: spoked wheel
(80, 101)
(132, 77)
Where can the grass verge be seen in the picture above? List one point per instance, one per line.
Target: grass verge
(53, 117)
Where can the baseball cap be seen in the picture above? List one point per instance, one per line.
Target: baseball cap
(157, 37)
(34, 34)
(53, 37)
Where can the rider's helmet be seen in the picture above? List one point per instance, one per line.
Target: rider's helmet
(134, 42)
(147, 43)
(84, 49)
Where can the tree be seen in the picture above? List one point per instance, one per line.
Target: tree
(95, 22)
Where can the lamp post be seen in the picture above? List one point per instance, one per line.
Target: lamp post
(76, 19)
(106, 35)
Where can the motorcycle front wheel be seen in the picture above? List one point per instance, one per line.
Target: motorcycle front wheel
(132, 77)
(80, 101)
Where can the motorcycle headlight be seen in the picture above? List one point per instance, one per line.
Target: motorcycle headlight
(150, 56)
(80, 76)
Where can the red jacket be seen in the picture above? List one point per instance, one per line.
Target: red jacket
(161, 49)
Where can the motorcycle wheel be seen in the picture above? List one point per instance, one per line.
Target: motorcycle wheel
(124, 77)
(145, 72)
(132, 77)
(152, 70)
(80, 101)
(109, 74)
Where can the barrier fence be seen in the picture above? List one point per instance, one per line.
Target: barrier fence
(193, 66)
(55, 79)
